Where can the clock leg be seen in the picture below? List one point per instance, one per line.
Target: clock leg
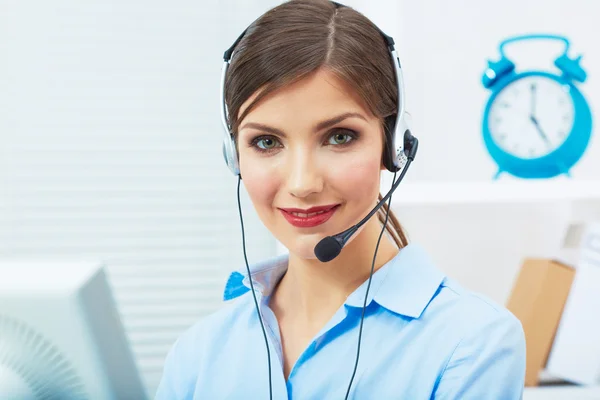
(497, 175)
(564, 170)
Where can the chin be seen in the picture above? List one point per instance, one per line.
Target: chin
(304, 247)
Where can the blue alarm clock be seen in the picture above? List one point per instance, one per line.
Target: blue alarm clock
(536, 124)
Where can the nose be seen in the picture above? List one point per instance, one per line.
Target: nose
(303, 174)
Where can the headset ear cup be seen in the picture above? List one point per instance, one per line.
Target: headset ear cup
(389, 152)
(230, 155)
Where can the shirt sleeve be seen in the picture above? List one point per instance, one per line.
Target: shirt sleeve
(180, 370)
(167, 389)
(487, 364)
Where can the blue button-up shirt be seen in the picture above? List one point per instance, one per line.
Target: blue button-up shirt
(424, 337)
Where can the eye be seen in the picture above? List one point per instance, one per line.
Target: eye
(266, 142)
(341, 137)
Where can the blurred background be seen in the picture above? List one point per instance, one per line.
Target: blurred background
(110, 150)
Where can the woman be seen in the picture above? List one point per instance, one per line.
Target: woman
(310, 93)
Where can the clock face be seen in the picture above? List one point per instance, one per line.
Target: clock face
(531, 117)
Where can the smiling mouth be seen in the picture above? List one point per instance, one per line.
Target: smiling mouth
(309, 218)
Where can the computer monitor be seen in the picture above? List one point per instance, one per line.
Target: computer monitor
(61, 336)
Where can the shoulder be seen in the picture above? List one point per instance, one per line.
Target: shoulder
(212, 326)
(487, 354)
(437, 300)
(472, 310)
(184, 359)
(479, 328)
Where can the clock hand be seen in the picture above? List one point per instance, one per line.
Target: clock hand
(540, 131)
(533, 96)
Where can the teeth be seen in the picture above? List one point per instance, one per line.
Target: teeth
(304, 215)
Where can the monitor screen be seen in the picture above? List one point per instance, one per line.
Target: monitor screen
(61, 336)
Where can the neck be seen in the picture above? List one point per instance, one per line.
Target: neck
(313, 291)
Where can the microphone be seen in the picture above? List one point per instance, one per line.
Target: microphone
(330, 247)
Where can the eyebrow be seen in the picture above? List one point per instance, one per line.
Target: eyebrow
(320, 126)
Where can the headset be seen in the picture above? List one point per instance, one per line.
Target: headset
(400, 150)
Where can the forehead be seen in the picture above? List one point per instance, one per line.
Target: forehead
(316, 97)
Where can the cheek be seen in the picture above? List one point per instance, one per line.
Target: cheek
(357, 178)
(261, 182)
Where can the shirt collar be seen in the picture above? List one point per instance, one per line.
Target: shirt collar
(404, 285)
(265, 276)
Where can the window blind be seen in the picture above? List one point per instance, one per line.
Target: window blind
(110, 145)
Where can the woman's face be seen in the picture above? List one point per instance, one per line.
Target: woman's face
(310, 147)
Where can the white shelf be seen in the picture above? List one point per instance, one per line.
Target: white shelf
(561, 393)
(523, 191)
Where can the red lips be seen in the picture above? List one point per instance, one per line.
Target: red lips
(307, 218)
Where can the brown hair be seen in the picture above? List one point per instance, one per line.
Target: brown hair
(298, 37)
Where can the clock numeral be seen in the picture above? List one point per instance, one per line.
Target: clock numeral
(504, 105)
(566, 117)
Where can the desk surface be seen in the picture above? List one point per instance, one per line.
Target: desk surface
(562, 393)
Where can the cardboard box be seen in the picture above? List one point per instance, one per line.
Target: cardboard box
(537, 300)
(575, 355)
